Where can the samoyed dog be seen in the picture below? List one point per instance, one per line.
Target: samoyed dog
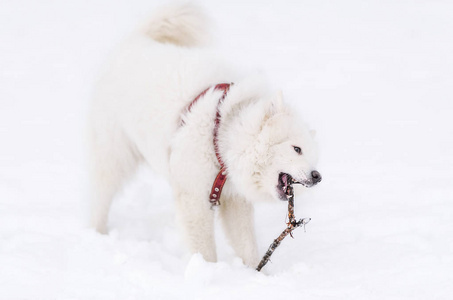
(222, 139)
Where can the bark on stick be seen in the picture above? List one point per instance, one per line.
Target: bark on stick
(291, 225)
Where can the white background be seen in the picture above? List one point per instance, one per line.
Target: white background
(374, 78)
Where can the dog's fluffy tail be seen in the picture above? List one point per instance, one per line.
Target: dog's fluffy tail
(180, 24)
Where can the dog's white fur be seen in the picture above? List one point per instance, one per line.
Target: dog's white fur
(136, 113)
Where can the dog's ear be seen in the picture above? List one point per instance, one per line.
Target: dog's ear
(313, 133)
(277, 102)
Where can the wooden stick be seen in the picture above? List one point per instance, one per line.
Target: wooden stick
(291, 225)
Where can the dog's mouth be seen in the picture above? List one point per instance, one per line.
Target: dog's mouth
(285, 180)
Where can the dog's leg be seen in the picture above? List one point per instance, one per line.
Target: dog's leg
(237, 219)
(113, 161)
(197, 223)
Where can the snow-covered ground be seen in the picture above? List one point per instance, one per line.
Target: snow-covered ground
(373, 77)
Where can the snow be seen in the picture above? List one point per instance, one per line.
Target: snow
(374, 79)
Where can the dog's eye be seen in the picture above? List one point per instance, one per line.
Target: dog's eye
(298, 150)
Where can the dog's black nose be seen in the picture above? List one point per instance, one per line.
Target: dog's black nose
(316, 176)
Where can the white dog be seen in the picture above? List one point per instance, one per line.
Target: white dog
(144, 111)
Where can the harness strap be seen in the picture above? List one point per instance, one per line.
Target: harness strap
(217, 186)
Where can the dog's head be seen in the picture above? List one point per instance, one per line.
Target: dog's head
(276, 150)
(293, 155)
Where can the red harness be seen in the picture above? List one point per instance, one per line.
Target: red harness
(217, 186)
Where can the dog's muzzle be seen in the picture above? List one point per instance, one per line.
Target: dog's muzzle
(285, 180)
(309, 182)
